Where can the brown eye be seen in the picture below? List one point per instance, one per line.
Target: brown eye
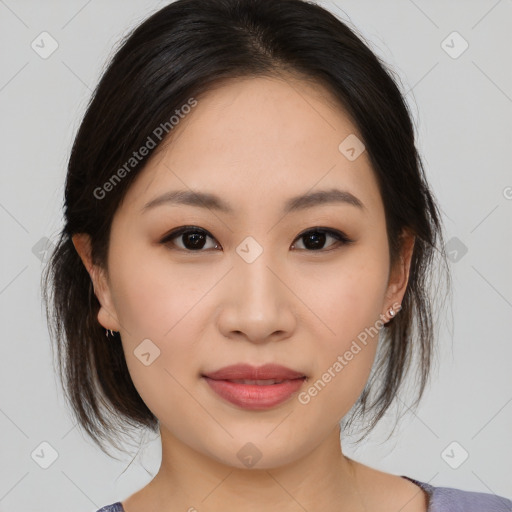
(315, 239)
(191, 238)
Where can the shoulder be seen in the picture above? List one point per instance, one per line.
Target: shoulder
(449, 499)
(115, 507)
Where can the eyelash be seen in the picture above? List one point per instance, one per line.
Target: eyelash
(342, 238)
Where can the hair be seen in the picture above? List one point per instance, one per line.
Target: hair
(183, 51)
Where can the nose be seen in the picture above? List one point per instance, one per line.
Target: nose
(258, 304)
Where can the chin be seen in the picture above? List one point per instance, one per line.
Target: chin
(257, 452)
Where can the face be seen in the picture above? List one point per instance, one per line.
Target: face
(254, 282)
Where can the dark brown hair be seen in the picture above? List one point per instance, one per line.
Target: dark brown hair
(183, 51)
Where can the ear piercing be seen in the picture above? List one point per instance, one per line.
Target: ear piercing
(111, 332)
(392, 312)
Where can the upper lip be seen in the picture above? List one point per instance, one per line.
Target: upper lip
(246, 371)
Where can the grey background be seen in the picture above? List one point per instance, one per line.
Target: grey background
(462, 108)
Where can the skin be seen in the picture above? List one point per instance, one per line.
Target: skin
(255, 143)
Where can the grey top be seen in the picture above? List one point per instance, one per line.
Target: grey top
(441, 499)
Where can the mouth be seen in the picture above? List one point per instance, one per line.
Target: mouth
(255, 388)
(247, 372)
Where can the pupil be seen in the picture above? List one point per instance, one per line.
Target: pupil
(196, 239)
(317, 238)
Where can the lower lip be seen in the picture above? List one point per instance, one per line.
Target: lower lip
(253, 396)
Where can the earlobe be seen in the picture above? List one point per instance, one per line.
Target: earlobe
(107, 316)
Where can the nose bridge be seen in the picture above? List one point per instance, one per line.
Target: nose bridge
(260, 304)
(258, 287)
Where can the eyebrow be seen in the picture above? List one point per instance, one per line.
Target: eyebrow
(294, 204)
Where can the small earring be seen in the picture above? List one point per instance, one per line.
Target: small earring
(392, 312)
(111, 332)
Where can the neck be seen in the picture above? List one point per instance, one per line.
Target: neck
(188, 480)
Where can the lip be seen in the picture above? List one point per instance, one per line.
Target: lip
(255, 396)
(246, 371)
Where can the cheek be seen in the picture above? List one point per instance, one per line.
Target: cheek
(164, 323)
(152, 295)
(159, 303)
(346, 296)
(348, 299)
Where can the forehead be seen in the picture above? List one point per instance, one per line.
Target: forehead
(265, 138)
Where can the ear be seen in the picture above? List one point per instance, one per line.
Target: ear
(399, 275)
(107, 316)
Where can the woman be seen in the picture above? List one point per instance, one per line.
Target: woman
(248, 220)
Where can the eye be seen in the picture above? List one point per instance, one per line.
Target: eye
(316, 237)
(194, 238)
